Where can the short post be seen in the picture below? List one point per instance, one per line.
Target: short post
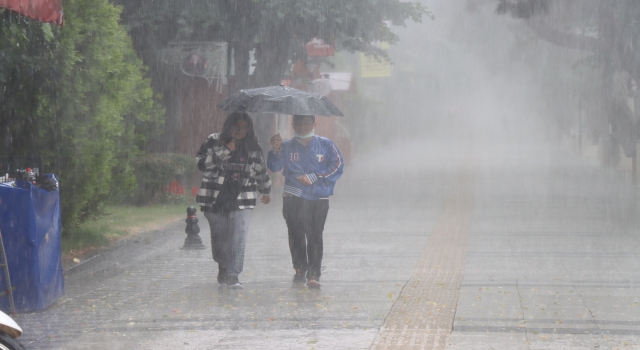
(193, 241)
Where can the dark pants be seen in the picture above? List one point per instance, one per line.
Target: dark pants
(305, 221)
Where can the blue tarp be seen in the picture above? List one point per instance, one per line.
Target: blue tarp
(30, 226)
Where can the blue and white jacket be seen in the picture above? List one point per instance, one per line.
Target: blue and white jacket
(320, 161)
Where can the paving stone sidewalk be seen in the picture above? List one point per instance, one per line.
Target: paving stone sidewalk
(154, 295)
(541, 254)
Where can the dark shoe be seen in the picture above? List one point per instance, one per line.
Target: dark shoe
(299, 278)
(222, 275)
(313, 282)
(234, 283)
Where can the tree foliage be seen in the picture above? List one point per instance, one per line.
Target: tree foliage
(275, 30)
(278, 29)
(78, 97)
(523, 8)
(351, 25)
(608, 33)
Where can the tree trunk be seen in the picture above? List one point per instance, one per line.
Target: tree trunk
(271, 65)
(272, 57)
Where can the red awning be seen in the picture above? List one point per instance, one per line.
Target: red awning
(42, 10)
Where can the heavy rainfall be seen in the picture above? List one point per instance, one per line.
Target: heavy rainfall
(485, 174)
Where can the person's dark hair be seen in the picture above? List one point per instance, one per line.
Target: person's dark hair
(249, 142)
(302, 116)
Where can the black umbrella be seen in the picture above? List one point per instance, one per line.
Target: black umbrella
(280, 99)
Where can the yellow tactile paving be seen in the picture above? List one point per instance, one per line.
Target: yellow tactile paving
(422, 316)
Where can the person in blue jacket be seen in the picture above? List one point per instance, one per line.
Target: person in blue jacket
(311, 165)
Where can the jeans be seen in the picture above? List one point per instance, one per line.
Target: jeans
(228, 238)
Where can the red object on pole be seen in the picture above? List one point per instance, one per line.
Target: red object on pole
(42, 10)
(317, 47)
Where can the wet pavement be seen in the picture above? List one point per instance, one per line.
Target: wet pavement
(439, 244)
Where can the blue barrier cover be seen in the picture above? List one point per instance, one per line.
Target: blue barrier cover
(31, 227)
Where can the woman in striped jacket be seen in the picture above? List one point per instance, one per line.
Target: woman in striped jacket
(234, 171)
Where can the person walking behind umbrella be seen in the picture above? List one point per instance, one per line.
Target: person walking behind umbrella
(311, 166)
(234, 170)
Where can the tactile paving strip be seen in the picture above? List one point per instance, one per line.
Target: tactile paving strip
(423, 314)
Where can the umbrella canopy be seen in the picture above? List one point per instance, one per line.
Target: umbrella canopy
(280, 99)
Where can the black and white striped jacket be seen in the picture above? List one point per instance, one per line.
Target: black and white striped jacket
(210, 158)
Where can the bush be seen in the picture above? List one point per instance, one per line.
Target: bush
(156, 172)
(80, 97)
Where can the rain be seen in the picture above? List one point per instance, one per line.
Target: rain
(485, 185)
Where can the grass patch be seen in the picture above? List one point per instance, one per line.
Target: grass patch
(122, 221)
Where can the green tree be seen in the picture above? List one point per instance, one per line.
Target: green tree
(608, 34)
(78, 97)
(285, 27)
(277, 28)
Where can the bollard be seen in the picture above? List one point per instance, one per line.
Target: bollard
(193, 241)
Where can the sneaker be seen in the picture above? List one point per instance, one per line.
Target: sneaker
(234, 283)
(299, 278)
(313, 282)
(222, 275)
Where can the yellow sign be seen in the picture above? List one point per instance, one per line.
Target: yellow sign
(371, 67)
